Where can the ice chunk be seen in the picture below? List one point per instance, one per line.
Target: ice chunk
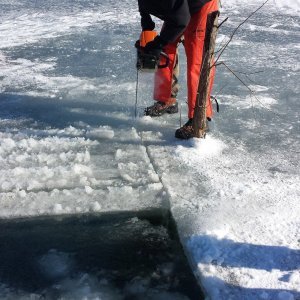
(57, 208)
(96, 206)
(88, 189)
(55, 264)
(102, 132)
(285, 296)
(22, 193)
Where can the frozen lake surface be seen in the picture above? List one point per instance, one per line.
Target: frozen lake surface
(69, 142)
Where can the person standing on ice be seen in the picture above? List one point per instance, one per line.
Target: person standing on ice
(182, 19)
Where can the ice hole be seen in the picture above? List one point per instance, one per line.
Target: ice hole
(125, 255)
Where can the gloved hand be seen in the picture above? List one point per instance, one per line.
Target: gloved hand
(154, 47)
(137, 44)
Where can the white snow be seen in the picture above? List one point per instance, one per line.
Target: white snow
(32, 28)
(101, 132)
(292, 6)
(69, 143)
(286, 7)
(200, 149)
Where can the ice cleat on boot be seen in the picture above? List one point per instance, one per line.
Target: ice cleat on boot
(159, 108)
(186, 131)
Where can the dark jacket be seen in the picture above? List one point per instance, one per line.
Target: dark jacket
(176, 15)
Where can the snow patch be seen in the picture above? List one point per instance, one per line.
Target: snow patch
(258, 88)
(57, 209)
(102, 132)
(288, 6)
(33, 28)
(263, 101)
(251, 101)
(88, 189)
(200, 149)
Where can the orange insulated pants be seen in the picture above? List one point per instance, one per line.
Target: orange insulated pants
(194, 36)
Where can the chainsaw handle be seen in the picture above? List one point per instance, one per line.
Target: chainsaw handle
(166, 64)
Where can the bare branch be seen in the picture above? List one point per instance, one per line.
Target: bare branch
(248, 73)
(223, 22)
(231, 71)
(251, 80)
(252, 93)
(223, 38)
(221, 89)
(223, 42)
(236, 29)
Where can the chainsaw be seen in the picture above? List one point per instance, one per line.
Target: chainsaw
(147, 62)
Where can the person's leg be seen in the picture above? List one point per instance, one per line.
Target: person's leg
(165, 86)
(194, 41)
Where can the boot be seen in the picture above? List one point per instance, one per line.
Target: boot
(186, 131)
(159, 108)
